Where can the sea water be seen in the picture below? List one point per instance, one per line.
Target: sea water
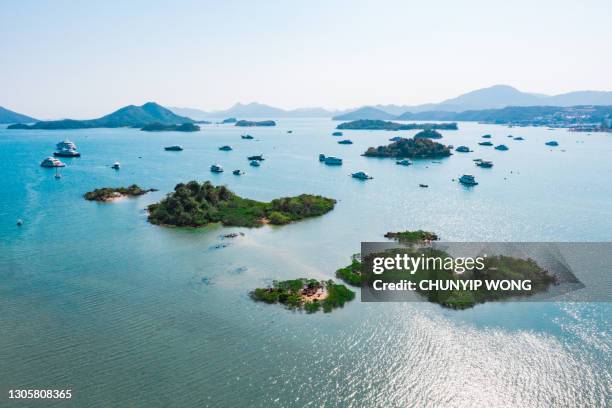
(125, 313)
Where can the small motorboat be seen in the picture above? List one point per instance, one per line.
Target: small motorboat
(423, 185)
(247, 137)
(485, 164)
(175, 148)
(403, 162)
(321, 157)
(552, 143)
(290, 131)
(254, 163)
(337, 134)
(468, 180)
(361, 175)
(501, 147)
(519, 138)
(52, 162)
(215, 168)
(116, 166)
(258, 157)
(486, 136)
(237, 172)
(333, 161)
(19, 222)
(486, 143)
(226, 148)
(462, 149)
(345, 141)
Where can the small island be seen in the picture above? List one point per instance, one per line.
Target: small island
(369, 124)
(196, 205)
(108, 194)
(412, 237)
(250, 123)
(229, 120)
(410, 148)
(428, 134)
(309, 295)
(160, 127)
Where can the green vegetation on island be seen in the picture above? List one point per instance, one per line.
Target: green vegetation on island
(412, 237)
(196, 205)
(249, 123)
(411, 148)
(428, 134)
(368, 124)
(128, 116)
(351, 274)
(160, 127)
(113, 193)
(229, 120)
(309, 295)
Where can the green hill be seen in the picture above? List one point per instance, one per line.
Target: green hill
(128, 116)
(8, 116)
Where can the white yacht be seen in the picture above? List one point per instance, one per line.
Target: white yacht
(52, 162)
(66, 149)
(66, 144)
(215, 168)
(116, 165)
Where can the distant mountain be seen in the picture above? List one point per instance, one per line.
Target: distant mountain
(367, 112)
(501, 96)
(128, 116)
(254, 110)
(8, 116)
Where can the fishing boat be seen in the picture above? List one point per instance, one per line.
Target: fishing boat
(248, 137)
(258, 157)
(333, 161)
(215, 168)
(486, 136)
(361, 175)
(403, 162)
(462, 149)
(552, 143)
(337, 134)
(423, 185)
(116, 165)
(226, 148)
(175, 148)
(519, 138)
(345, 141)
(487, 143)
(501, 147)
(468, 180)
(52, 162)
(237, 172)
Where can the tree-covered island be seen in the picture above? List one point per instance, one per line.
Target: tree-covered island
(160, 127)
(195, 205)
(499, 267)
(107, 194)
(412, 148)
(369, 124)
(309, 295)
(250, 123)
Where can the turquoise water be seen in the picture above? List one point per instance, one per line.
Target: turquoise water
(125, 313)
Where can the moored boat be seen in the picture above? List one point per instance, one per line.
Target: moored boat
(116, 165)
(248, 137)
(345, 141)
(552, 143)
(215, 168)
(226, 148)
(485, 164)
(321, 157)
(361, 175)
(237, 172)
(501, 147)
(254, 163)
(175, 148)
(462, 149)
(333, 161)
(468, 180)
(403, 162)
(486, 143)
(258, 157)
(52, 162)
(337, 134)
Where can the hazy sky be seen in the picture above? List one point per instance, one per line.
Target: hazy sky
(77, 59)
